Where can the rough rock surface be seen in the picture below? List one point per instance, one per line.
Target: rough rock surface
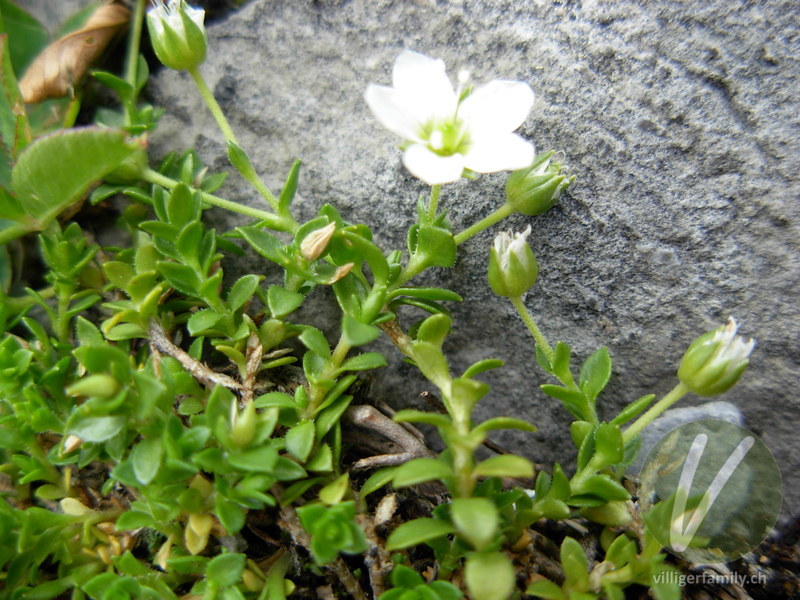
(680, 120)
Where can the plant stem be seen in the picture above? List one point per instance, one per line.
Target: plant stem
(498, 215)
(274, 221)
(537, 334)
(132, 58)
(675, 394)
(247, 170)
(213, 105)
(433, 204)
(317, 393)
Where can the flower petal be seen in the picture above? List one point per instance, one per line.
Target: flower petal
(498, 107)
(432, 168)
(423, 84)
(500, 152)
(388, 107)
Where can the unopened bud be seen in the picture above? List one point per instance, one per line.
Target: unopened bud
(177, 34)
(512, 265)
(243, 425)
(341, 272)
(536, 189)
(613, 514)
(315, 243)
(71, 443)
(99, 386)
(196, 532)
(715, 361)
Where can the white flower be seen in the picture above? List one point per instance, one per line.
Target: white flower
(512, 265)
(444, 133)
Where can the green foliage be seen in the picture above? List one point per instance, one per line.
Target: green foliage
(332, 530)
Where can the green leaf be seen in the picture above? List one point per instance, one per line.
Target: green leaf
(435, 294)
(321, 461)
(504, 423)
(133, 519)
(146, 457)
(182, 277)
(436, 246)
(263, 459)
(595, 373)
(94, 429)
(83, 156)
(507, 465)
(416, 532)
(575, 402)
(431, 362)
(489, 576)
(604, 487)
(421, 470)
(202, 320)
(561, 358)
(315, 340)
(226, 569)
(230, 514)
(289, 188)
(26, 36)
(363, 362)
(287, 470)
(377, 480)
(278, 399)
(621, 551)
(483, 365)
(281, 301)
(418, 416)
(633, 410)
(356, 333)
(476, 519)
(576, 566)
(372, 254)
(300, 440)
(434, 329)
(266, 244)
(609, 444)
(544, 588)
(242, 291)
(334, 492)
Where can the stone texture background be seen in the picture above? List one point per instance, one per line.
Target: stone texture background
(680, 119)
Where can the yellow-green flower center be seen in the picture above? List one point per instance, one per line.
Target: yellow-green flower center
(446, 138)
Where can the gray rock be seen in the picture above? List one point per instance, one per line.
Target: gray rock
(680, 120)
(675, 417)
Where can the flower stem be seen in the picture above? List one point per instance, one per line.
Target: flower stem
(498, 215)
(433, 204)
(537, 334)
(213, 105)
(247, 170)
(132, 58)
(273, 220)
(675, 394)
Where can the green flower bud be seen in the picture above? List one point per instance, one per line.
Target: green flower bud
(536, 189)
(98, 386)
(243, 425)
(613, 514)
(512, 265)
(715, 360)
(177, 34)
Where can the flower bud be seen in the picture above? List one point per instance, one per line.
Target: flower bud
(536, 189)
(243, 424)
(177, 34)
(715, 360)
(315, 243)
(512, 265)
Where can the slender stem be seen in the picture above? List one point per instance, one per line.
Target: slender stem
(498, 215)
(213, 105)
(247, 170)
(73, 108)
(433, 204)
(275, 222)
(132, 59)
(537, 334)
(675, 394)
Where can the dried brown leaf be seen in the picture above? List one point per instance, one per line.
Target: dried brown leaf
(60, 66)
